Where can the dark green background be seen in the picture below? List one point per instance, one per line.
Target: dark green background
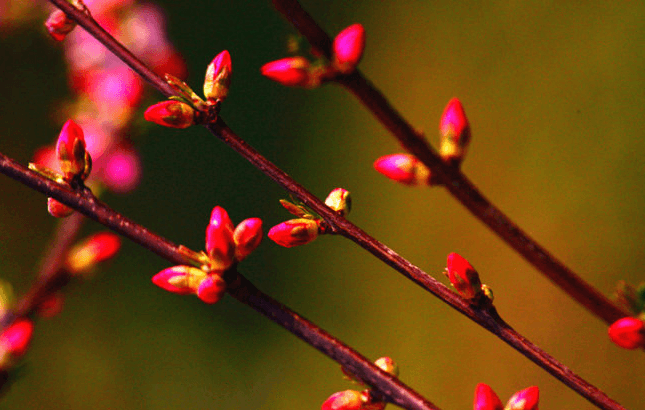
(554, 93)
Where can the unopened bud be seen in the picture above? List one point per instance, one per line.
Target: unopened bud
(403, 168)
(59, 25)
(15, 339)
(173, 114)
(97, 248)
(211, 289)
(527, 399)
(291, 71)
(344, 400)
(455, 133)
(58, 209)
(218, 77)
(294, 232)
(70, 149)
(181, 279)
(628, 333)
(463, 276)
(388, 365)
(219, 239)
(348, 48)
(340, 201)
(486, 399)
(247, 236)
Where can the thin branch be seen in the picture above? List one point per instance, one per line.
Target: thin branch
(455, 181)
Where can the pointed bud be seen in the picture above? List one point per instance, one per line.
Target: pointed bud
(97, 248)
(59, 25)
(388, 365)
(463, 276)
(340, 201)
(173, 114)
(628, 333)
(403, 168)
(218, 77)
(291, 71)
(348, 48)
(294, 232)
(57, 209)
(180, 279)
(527, 399)
(344, 400)
(219, 239)
(247, 236)
(70, 150)
(15, 339)
(486, 399)
(211, 289)
(455, 133)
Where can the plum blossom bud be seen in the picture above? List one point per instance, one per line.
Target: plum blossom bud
(181, 279)
(218, 77)
(97, 248)
(344, 400)
(211, 289)
(58, 209)
(455, 133)
(247, 236)
(70, 150)
(59, 25)
(294, 232)
(15, 339)
(403, 168)
(340, 201)
(463, 276)
(348, 48)
(527, 399)
(291, 71)
(486, 399)
(628, 333)
(219, 239)
(173, 114)
(388, 365)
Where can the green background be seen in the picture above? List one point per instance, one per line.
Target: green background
(554, 94)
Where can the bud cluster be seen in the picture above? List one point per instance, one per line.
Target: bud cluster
(486, 399)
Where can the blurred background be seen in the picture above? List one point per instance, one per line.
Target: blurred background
(554, 94)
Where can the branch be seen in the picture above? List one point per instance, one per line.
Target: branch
(455, 181)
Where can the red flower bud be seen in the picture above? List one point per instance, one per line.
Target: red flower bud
(486, 399)
(527, 399)
(218, 77)
(344, 400)
(180, 279)
(211, 289)
(463, 276)
(247, 236)
(291, 71)
(294, 232)
(97, 248)
(348, 48)
(59, 25)
(403, 168)
(628, 333)
(15, 339)
(70, 150)
(219, 239)
(455, 133)
(173, 114)
(57, 209)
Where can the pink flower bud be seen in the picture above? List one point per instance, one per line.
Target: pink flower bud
(348, 48)
(340, 201)
(527, 399)
(628, 333)
(455, 133)
(15, 339)
(344, 400)
(59, 25)
(97, 248)
(219, 239)
(58, 209)
(294, 232)
(486, 399)
(291, 71)
(173, 114)
(388, 365)
(180, 279)
(463, 276)
(70, 150)
(218, 77)
(403, 168)
(247, 236)
(211, 289)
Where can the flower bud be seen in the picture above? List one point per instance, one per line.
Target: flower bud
(70, 150)
(219, 239)
(388, 365)
(180, 279)
(340, 201)
(173, 114)
(348, 48)
(455, 133)
(403, 168)
(294, 232)
(59, 25)
(463, 276)
(486, 399)
(97, 248)
(15, 339)
(58, 209)
(527, 399)
(628, 333)
(247, 236)
(291, 71)
(218, 77)
(211, 289)
(344, 400)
